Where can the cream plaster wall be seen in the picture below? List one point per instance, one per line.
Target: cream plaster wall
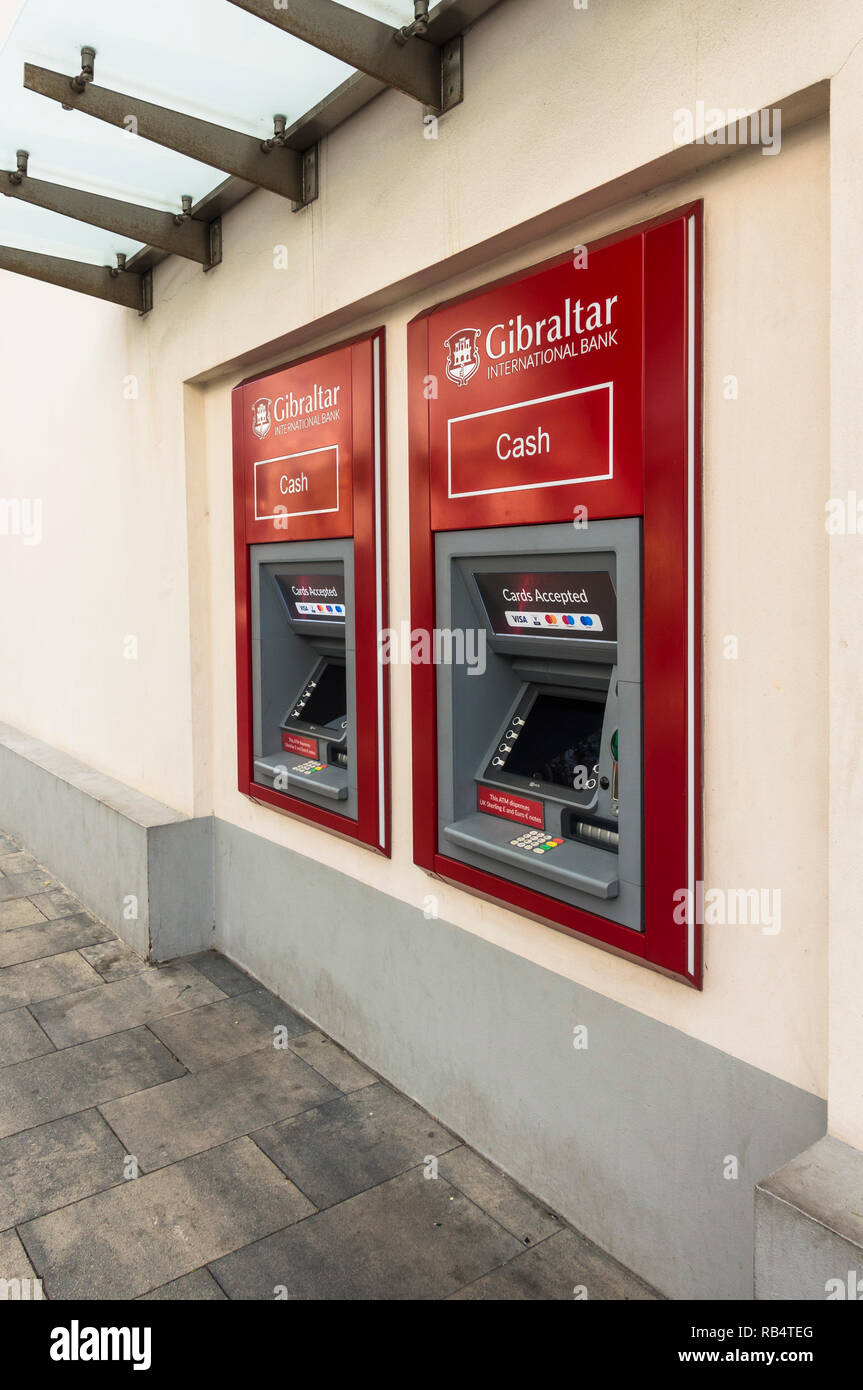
(765, 584)
(137, 494)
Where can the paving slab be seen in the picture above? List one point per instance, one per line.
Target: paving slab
(46, 1088)
(229, 977)
(525, 1218)
(199, 1287)
(230, 1028)
(19, 912)
(411, 1238)
(25, 885)
(209, 1107)
(331, 1061)
(113, 959)
(57, 903)
(14, 1267)
(8, 845)
(152, 993)
(157, 1228)
(55, 1164)
(353, 1143)
(566, 1266)
(51, 938)
(21, 1037)
(52, 976)
(17, 862)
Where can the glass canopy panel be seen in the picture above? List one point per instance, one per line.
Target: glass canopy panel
(206, 58)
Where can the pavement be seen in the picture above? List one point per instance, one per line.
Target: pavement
(178, 1132)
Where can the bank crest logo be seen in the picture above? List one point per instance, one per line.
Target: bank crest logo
(262, 417)
(462, 355)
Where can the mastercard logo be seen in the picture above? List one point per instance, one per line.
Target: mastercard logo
(550, 618)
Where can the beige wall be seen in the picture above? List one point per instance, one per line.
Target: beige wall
(765, 583)
(137, 492)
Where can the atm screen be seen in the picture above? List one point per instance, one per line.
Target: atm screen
(313, 598)
(329, 699)
(560, 735)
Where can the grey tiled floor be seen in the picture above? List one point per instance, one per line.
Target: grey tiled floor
(180, 1133)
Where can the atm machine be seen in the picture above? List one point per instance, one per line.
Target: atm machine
(554, 431)
(303, 672)
(540, 766)
(311, 590)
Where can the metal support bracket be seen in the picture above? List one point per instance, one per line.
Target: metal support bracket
(88, 70)
(400, 58)
(452, 74)
(117, 286)
(309, 167)
(279, 170)
(181, 234)
(310, 179)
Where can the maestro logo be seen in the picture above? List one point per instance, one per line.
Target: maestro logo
(262, 417)
(462, 355)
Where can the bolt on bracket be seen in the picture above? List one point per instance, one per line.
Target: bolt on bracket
(419, 27)
(88, 67)
(20, 174)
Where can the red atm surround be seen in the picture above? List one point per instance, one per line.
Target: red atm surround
(346, 465)
(630, 408)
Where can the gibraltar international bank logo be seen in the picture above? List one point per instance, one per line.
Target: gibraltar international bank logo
(463, 359)
(262, 417)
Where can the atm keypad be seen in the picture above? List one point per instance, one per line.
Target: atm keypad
(308, 767)
(536, 842)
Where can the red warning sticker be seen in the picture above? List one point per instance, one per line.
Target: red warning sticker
(294, 743)
(504, 804)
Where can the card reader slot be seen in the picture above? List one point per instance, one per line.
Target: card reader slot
(590, 830)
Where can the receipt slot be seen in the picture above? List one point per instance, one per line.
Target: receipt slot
(554, 428)
(311, 591)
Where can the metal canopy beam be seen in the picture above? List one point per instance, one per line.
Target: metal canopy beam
(415, 66)
(279, 169)
(183, 237)
(117, 286)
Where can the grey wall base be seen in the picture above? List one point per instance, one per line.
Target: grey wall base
(140, 866)
(809, 1226)
(628, 1138)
